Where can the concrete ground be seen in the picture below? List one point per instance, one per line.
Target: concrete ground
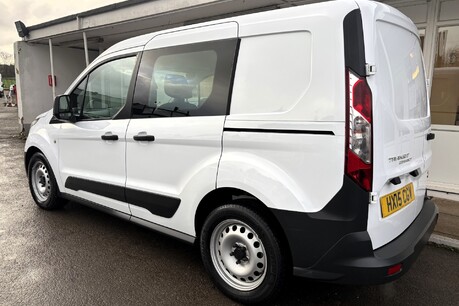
(80, 256)
(448, 219)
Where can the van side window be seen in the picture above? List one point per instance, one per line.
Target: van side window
(103, 93)
(189, 80)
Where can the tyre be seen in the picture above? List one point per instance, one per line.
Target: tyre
(242, 254)
(42, 183)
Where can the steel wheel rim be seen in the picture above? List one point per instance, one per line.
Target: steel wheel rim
(41, 182)
(243, 270)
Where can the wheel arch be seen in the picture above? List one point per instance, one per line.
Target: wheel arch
(28, 155)
(227, 195)
(42, 139)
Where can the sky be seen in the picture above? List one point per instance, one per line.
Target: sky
(32, 12)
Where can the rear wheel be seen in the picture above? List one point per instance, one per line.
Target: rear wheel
(242, 254)
(42, 183)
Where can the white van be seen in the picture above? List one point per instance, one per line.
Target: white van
(289, 141)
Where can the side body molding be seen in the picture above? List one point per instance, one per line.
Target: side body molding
(156, 204)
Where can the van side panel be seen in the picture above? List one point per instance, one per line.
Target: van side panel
(284, 137)
(296, 169)
(274, 39)
(287, 59)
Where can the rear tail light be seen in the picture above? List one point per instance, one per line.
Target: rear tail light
(359, 143)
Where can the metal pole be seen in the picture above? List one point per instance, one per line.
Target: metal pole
(85, 41)
(52, 67)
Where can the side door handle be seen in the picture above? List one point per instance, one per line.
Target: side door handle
(109, 136)
(144, 138)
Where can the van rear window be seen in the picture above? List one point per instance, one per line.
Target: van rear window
(404, 67)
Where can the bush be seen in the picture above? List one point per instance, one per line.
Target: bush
(7, 82)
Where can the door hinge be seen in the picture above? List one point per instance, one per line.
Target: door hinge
(370, 69)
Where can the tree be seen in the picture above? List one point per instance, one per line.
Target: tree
(6, 58)
(7, 71)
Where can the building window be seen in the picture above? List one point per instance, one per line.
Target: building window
(422, 35)
(445, 93)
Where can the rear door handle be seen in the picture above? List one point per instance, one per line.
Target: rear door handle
(144, 138)
(414, 173)
(109, 136)
(430, 136)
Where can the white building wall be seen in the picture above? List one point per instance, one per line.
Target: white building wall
(32, 69)
(429, 16)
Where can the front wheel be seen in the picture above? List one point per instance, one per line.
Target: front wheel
(42, 183)
(242, 254)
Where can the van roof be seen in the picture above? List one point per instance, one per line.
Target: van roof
(315, 9)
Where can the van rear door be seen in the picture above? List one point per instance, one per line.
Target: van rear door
(401, 154)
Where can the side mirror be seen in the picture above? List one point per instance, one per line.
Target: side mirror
(62, 109)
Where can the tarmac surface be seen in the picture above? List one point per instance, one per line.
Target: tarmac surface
(80, 256)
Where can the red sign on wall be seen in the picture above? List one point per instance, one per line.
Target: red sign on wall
(50, 80)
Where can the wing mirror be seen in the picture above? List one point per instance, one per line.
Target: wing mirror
(62, 109)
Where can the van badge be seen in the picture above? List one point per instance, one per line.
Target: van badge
(401, 159)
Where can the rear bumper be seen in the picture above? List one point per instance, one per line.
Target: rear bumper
(353, 261)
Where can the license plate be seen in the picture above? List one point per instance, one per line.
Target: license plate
(397, 200)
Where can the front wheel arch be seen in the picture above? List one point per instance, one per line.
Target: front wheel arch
(42, 183)
(28, 155)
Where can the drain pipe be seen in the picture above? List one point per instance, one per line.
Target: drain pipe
(52, 67)
(85, 41)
